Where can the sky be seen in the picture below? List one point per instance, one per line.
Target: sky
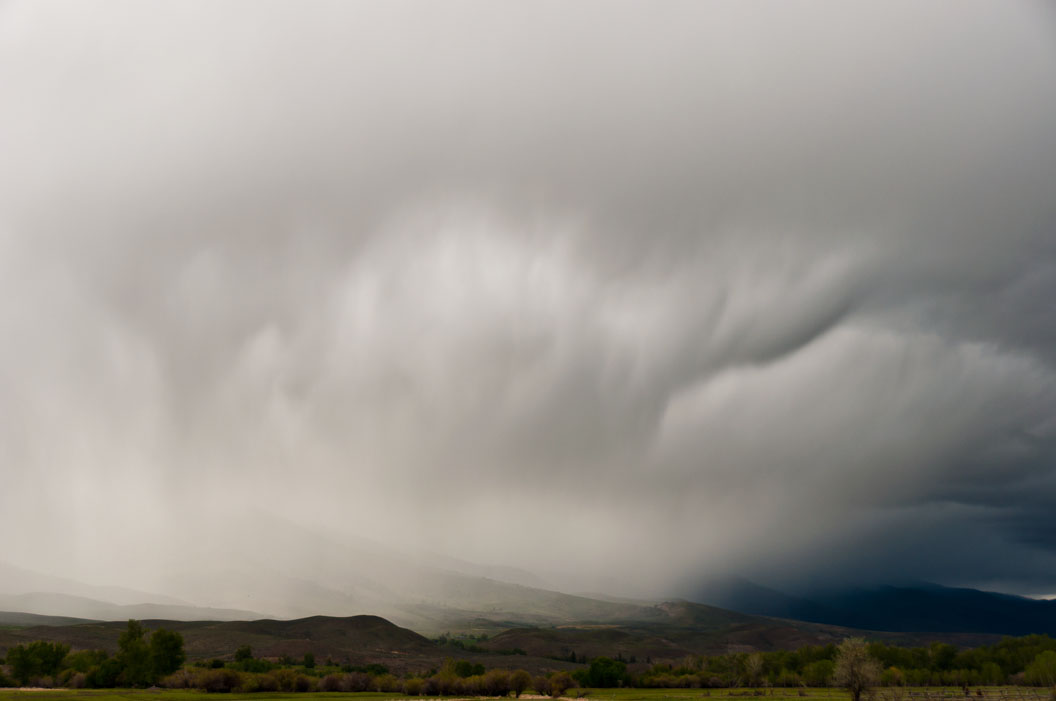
(626, 294)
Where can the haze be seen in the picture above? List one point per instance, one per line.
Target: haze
(624, 295)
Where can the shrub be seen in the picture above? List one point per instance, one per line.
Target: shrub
(497, 682)
(541, 685)
(473, 686)
(181, 679)
(77, 680)
(357, 681)
(386, 683)
(447, 684)
(430, 686)
(519, 682)
(412, 686)
(284, 679)
(260, 682)
(220, 681)
(560, 682)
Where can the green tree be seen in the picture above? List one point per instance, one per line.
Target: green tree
(519, 681)
(753, 670)
(244, 654)
(23, 664)
(166, 653)
(855, 669)
(1042, 671)
(37, 659)
(133, 654)
(605, 673)
(309, 660)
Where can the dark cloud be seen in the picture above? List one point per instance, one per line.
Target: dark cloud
(710, 287)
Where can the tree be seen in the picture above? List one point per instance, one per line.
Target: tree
(519, 681)
(166, 652)
(855, 669)
(37, 659)
(244, 654)
(560, 682)
(309, 660)
(1042, 671)
(134, 656)
(818, 673)
(753, 670)
(605, 673)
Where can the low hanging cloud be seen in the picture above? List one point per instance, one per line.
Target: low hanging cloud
(702, 288)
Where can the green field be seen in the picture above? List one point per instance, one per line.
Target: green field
(1007, 693)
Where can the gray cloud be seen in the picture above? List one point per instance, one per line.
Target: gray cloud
(706, 287)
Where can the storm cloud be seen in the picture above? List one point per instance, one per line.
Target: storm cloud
(626, 294)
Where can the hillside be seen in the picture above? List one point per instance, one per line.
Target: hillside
(913, 608)
(665, 632)
(354, 640)
(74, 607)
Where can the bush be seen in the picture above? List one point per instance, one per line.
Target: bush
(430, 686)
(181, 679)
(519, 682)
(446, 684)
(219, 681)
(473, 686)
(386, 683)
(412, 686)
(77, 680)
(283, 679)
(331, 682)
(541, 685)
(560, 682)
(497, 682)
(259, 682)
(357, 681)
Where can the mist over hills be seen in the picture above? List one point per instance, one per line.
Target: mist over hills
(305, 573)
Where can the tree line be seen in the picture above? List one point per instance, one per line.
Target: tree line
(1025, 661)
(141, 660)
(158, 658)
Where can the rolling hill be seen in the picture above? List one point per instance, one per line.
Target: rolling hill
(916, 608)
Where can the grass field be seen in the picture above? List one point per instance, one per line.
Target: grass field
(1006, 693)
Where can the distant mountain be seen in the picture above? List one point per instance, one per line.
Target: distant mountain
(17, 619)
(17, 580)
(910, 608)
(65, 606)
(739, 594)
